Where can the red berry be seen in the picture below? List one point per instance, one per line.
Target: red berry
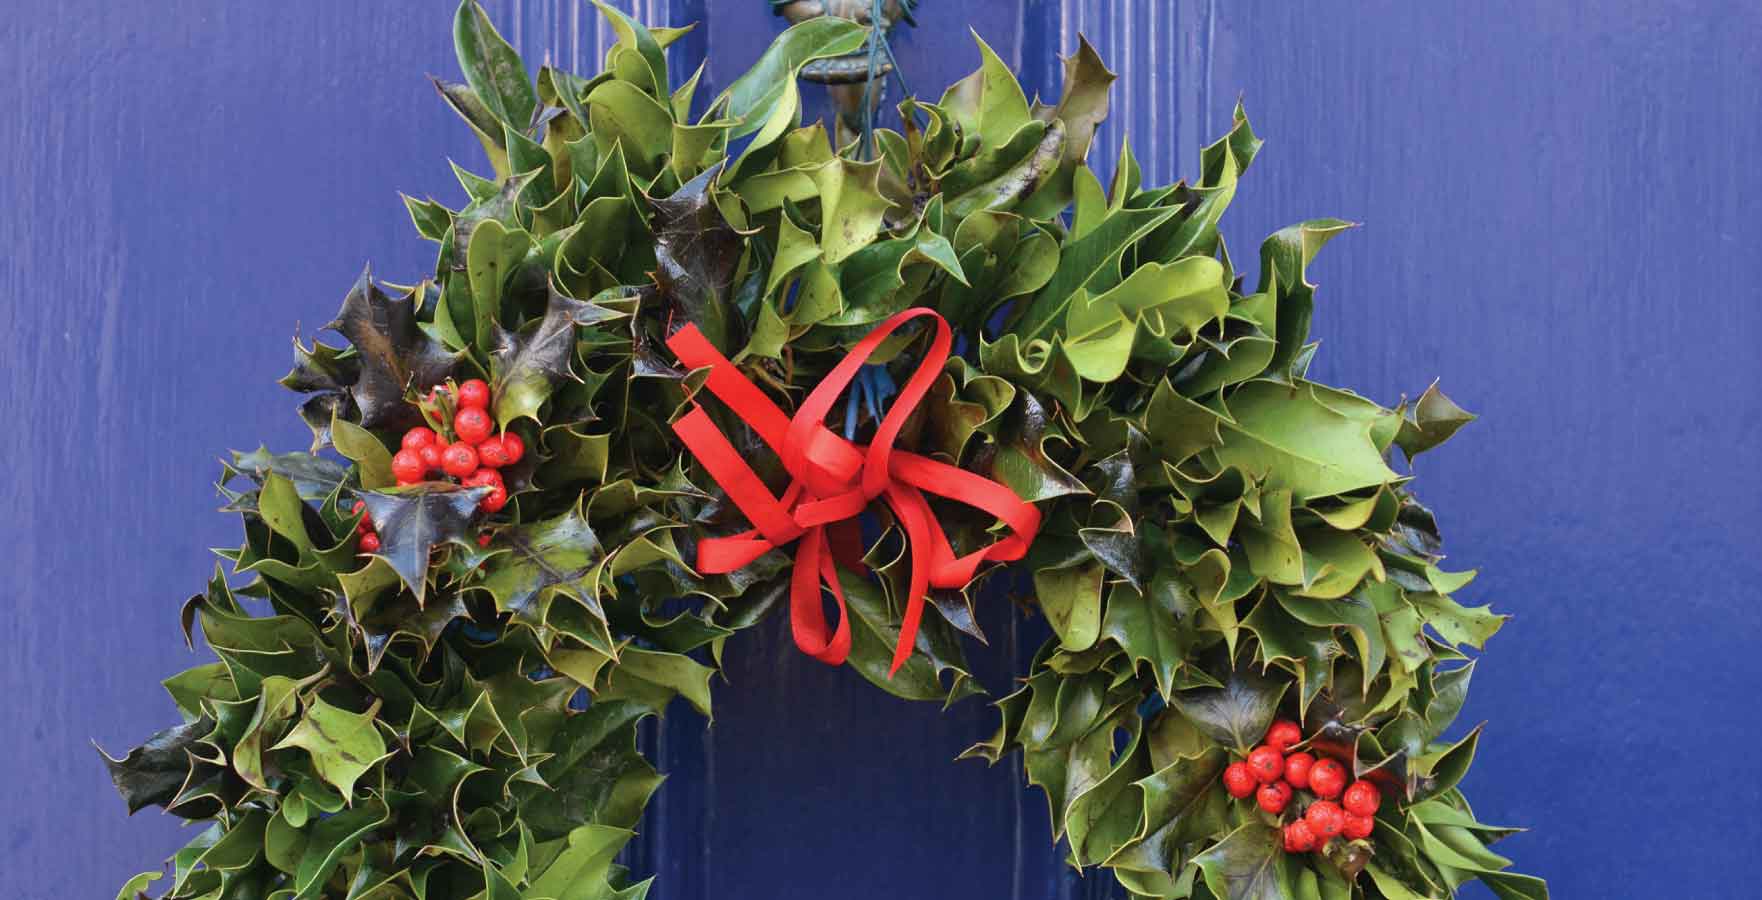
(1327, 779)
(1326, 819)
(459, 460)
(419, 437)
(1239, 781)
(474, 394)
(492, 452)
(1274, 797)
(1299, 837)
(1358, 828)
(515, 446)
(359, 507)
(498, 498)
(431, 455)
(1284, 735)
(473, 425)
(1297, 767)
(1362, 799)
(407, 466)
(483, 539)
(1266, 764)
(483, 478)
(369, 543)
(498, 493)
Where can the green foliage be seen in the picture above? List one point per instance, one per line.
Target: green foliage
(1225, 540)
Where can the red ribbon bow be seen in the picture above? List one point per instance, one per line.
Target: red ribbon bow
(832, 480)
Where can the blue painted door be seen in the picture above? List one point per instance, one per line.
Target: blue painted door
(1559, 201)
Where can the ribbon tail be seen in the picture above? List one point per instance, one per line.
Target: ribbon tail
(914, 515)
(807, 618)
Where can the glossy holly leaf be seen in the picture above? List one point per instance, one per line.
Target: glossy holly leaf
(1237, 714)
(1093, 258)
(1250, 864)
(1286, 436)
(1082, 106)
(412, 521)
(492, 67)
(527, 366)
(989, 103)
(752, 98)
(696, 253)
(557, 556)
(396, 355)
(1155, 627)
(343, 745)
(1284, 268)
(153, 773)
(313, 477)
(1435, 418)
(331, 839)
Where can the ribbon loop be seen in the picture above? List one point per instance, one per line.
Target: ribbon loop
(833, 480)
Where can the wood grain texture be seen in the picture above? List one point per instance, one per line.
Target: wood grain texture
(1558, 201)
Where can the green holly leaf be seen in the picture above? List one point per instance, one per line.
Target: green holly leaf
(330, 840)
(485, 124)
(1250, 864)
(1286, 436)
(754, 96)
(1434, 420)
(1284, 267)
(1237, 714)
(633, 37)
(153, 773)
(396, 355)
(544, 559)
(988, 104)
(492, 68)
(528, 365)
(493, 252)
(1094, 259)
(1082, 106)
(411, 521)
(343, 745)
(313, 477)
(1154, 627)
(696, 254)
(624, 115)
(371, 457)
(581, 869)
(851, 207)
(136, 887)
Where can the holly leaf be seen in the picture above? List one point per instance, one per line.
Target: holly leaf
(492, 68)
(754, 95)
(1435, 419)
(395, 353)
(411, 521)
(153, 773)
(696, 253)
(526, 366)
(1154, 626)
(561, 555)
(313, 477)
(1249, 864)
(343, 745)
(1288, 437)
(1238, 713)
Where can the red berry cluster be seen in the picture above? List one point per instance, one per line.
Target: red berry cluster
(474, 452)
(369, 540)
(1273, 775)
